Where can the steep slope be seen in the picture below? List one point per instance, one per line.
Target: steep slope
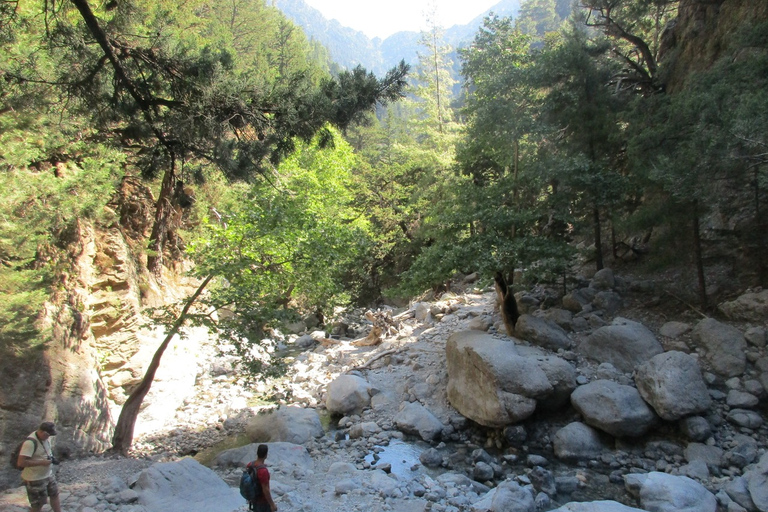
(349, 47)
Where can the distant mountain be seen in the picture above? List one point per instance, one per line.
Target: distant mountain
(349, 47)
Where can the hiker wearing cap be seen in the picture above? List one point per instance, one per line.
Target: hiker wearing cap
(36, 459)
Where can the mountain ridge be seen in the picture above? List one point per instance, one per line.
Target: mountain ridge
(349, 47)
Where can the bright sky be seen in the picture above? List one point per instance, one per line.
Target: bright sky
(382, 19)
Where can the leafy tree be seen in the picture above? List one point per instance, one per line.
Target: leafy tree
(155, 76)
(581, 112)
(278, 247)
(635, 27)
(701, 149)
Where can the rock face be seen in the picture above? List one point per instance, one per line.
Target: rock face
(613, 408)
(542, 332)
(672, 383)
(286, 424)
(625, 344)
(491, 383)
(186, 485)
(725, 347)
(348, 394)
(663, 492)
(756, 479)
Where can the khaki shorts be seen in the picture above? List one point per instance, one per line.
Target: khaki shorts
(38, 491)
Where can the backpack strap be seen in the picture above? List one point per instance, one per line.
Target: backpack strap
(34, 444)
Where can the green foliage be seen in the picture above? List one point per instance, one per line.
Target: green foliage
(283, 248)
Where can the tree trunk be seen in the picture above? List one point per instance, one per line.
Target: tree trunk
(598, 239)
(123, 436)
(163, 212)
(698, 256)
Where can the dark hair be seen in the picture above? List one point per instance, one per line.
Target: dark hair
(262, 450)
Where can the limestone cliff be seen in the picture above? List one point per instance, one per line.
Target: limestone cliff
(703, 31)
(92, 325)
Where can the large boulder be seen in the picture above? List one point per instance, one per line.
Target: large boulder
(348, 394)
(289, 454)
(491, 383)
(662, 492)
(625, 344)
(579, 442)
(542, 332)
(562, 377)
(613, 408)
(725, 347)
(672, 383)
(185, 485)
(596, 506)
(414, 418)
(603, 280)
(286, 424)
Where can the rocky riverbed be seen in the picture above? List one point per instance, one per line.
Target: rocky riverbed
(633, 431)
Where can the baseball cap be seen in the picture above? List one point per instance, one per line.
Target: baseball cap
(48, 426)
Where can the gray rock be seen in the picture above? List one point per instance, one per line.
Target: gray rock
(515, 435)
(672, 383)
(482, 472)
(185, 485)
(542, 332)
(609, 302)
(543, 480)
(697, 470)
(738, 490)
(577, 441)
(757, 483)
(745, 418)
(756, 336)
(431, 458)
(725, 347)
(279, 453)
(696, 428)
(348, 394)
(365, 429)
(508, 496)
(561, 376)
(662, 492)
(305, 341)
(674, 329)
(596, 506)
(613, 408)
(414, 418)
(603, 280)
(752, 307)
(625, 344)
(712, 456)
(286, 424)
(491, 383)
(743, 453)
(575, 301)
(741, 400)
(561, 317)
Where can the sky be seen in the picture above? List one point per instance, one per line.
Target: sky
(376, 18)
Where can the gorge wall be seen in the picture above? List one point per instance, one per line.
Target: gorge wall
(93, 326)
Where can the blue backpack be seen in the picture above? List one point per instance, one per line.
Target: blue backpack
(250, 488)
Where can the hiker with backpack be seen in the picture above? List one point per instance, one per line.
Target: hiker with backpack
(254, 484)
(35, 459)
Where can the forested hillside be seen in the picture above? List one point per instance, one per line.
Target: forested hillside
(217, 139)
